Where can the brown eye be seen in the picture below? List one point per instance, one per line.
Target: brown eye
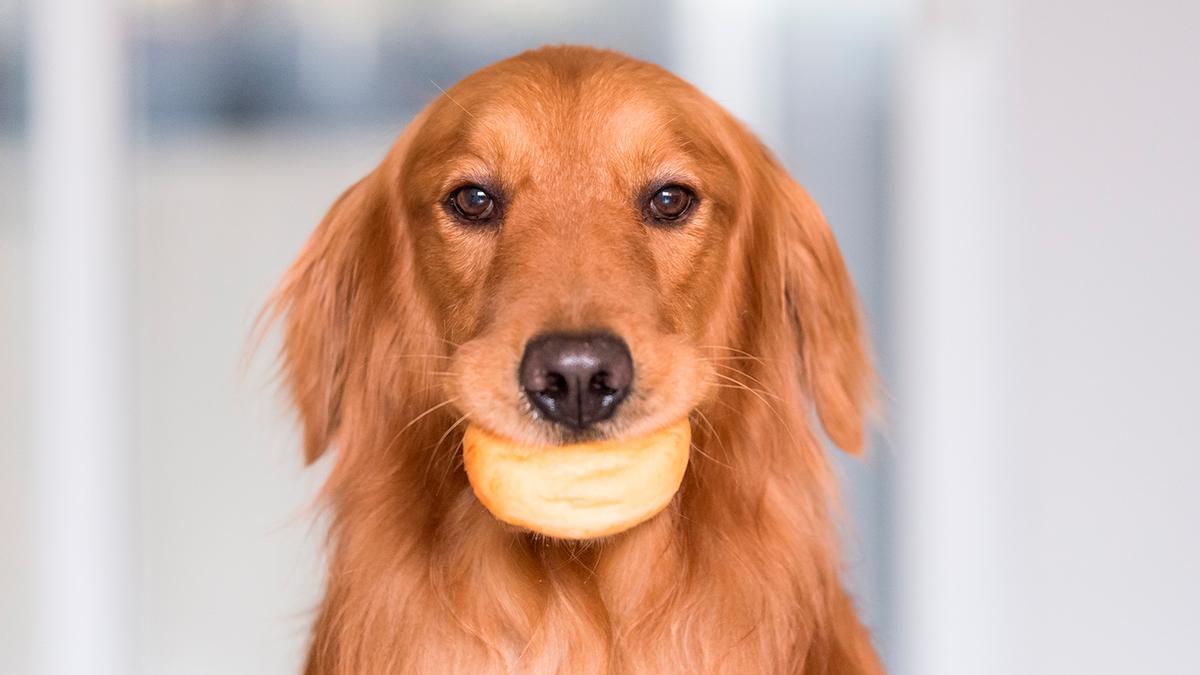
(670, 203)
(473, 203)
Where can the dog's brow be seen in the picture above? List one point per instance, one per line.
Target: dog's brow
(504, 136)
(636, 127)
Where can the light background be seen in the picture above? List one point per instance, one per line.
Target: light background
(1012, 184)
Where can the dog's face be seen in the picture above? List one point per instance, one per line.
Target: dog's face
(591, 242)
(575, 239)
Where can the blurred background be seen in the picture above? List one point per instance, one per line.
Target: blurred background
(1013, 184)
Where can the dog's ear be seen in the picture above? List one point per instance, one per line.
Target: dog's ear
(820, 300)
(317, 302)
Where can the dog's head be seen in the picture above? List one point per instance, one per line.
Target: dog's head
(570, 244)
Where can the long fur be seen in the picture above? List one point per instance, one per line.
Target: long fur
(739, 575)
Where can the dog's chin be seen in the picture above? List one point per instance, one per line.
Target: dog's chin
(535, 431)
(616, 429)
(540, 540)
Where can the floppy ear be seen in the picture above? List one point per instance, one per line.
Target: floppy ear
(317, 300)
(823, 307)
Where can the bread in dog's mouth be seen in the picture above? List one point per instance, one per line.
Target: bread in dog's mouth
(581, 490)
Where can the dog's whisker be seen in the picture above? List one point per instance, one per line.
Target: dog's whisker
(447, 95)
(436, 449)
(754, 390)
(392, 357)
(710, 458)
(454, 456)
(456, 462)
(438, 383)
(433, 387)
(428, 411)
(573, 553)
(737, 355)
(731, 349)
(713, 433)
(532, 634)
(741, 387)
(769, 406)
(748, 376)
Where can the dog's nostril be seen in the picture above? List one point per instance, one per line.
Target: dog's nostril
(576, 379)
(555, 384)
(600, 383)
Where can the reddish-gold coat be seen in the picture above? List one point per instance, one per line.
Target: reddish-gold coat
(401, 323)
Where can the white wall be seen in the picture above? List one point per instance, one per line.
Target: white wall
(229, 544)
(78, 319)
(1049, 263)
(16, 564)
(225, 558)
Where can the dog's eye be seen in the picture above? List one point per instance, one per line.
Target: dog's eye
(670, 203)
(472, 202)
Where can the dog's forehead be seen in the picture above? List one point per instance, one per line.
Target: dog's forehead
(584, 127)
(551, 115)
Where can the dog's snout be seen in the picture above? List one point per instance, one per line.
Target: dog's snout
(576, 379)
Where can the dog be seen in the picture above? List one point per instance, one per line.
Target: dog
(581, 199)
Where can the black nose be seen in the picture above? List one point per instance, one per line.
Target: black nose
(576, 380)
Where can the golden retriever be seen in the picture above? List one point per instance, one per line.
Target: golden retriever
(571, 201)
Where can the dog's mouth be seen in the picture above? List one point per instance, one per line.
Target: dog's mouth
(577, 440)
(581, 490)
(562, 389)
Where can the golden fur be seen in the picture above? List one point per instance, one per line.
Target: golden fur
(401, 325)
